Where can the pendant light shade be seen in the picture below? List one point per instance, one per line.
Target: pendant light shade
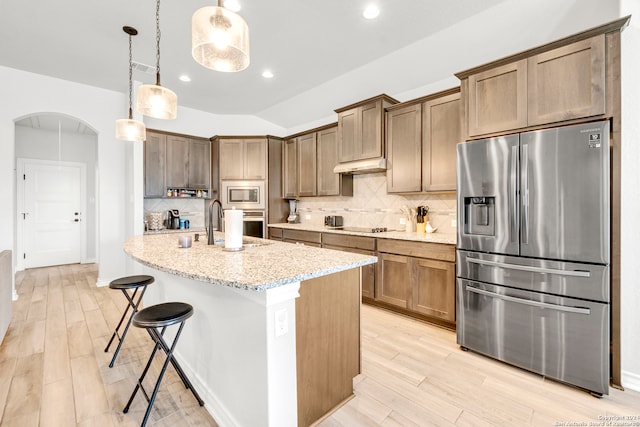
(157, 101)
(154, 100)
(219, 39)
(129, 129)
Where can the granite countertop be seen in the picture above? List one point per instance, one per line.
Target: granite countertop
(446, 238)
(176, 230)
(267, 265)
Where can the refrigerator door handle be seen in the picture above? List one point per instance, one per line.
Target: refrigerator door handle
(513, 211)
(574, 273)
(565, 308)
(525, 196)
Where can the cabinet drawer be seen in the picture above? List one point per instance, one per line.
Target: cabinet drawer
(438, 251)
(356, 242)
(302, 236)
(275, 233)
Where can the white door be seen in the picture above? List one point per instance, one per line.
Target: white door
(52, 215)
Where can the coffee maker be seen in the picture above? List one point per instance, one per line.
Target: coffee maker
(173, 219)
(293, 217)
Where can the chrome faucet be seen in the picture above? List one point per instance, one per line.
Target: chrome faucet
(210, 238)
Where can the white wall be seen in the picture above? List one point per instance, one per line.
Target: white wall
(43, 145)
(119, 201)
(630, 265)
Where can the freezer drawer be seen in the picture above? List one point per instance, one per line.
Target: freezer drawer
(568, 279)
(562, 338)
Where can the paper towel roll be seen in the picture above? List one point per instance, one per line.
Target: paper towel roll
(233, 228)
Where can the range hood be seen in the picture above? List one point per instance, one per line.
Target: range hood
(362, 166)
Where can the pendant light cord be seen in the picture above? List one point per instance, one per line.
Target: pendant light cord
(130, 79)
(158, 43)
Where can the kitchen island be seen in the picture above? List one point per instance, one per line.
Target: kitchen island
(275, 338)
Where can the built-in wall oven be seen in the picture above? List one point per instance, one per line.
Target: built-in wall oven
(249, 196)
(254, 224)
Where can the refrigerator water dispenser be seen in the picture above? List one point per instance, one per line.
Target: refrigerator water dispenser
(479, 216)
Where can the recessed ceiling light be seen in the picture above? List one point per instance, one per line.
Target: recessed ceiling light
(267, 74)
(232, 5)
(371, 12)
(185, 78)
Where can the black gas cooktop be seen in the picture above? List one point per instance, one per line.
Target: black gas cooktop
(364, 229)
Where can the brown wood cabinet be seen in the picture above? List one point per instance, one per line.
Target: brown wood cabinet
(311, 238)
(441, 133)
(175, 161)
(404, 149)
(155, 149)
(290, 169)
(356, 244)
(421, 143)
(307, 164)
(543, 86)
(417, 278)
(361, 129)
(567, 83)
(199, 164)
(177, 164)
(243, 158)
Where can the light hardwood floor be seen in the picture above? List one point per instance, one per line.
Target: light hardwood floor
(53, 371)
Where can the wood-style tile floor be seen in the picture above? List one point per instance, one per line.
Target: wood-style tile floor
(54, 372)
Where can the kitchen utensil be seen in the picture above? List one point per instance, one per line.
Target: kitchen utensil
(429, 228)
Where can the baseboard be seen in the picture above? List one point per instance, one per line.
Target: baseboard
(89, 261)
(217, 410)
(630, 380)
(102, 282)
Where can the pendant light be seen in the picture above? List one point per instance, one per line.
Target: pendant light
(219, 39)
(154, 100)
(129, 129)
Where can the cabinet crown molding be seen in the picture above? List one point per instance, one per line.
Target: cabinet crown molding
(617, 25)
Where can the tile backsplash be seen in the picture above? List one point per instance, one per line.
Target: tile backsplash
(371, 206)
(190, 208)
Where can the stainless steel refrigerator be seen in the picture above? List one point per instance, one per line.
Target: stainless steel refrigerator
(533, 251)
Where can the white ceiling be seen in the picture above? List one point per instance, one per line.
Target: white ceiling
(305, 43)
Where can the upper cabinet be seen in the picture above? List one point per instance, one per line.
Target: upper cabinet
(307, 164)
(173, 161)
(361, 129)
(243, 158)
(308, 160)
(421, 140)
(545, 85)
(290, 168)
(155, 151)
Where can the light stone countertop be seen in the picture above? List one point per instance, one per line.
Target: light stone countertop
(257, 268)
(191, 231)
(446, 238)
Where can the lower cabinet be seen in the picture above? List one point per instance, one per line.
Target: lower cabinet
(417, 279)
(310, 238)
(360, 245)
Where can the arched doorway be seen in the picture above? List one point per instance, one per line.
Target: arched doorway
(56, 159)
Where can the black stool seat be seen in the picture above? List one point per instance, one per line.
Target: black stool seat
(162, 315)
(131, 282)
(155, 319)
(127, 284)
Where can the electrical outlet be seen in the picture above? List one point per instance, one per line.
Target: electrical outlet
(281, 322)
(307, 216)
(403, 221)
(453, 223)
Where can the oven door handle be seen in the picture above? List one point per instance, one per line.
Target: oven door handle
(574, 273)
(565, 308)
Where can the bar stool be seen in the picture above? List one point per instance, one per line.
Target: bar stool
(137, 283)
(152, 319)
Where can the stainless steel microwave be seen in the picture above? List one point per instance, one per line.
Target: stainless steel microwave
(243, 195)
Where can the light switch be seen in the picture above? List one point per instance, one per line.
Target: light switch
(453, 223)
